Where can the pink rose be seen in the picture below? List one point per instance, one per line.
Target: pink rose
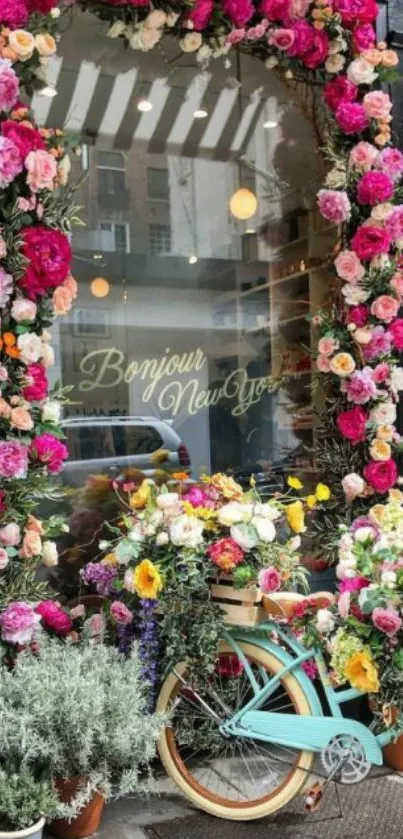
(95, 626)
(327, 346)
(62, 300)
(50, 451)
(339, 90)
(387, 620)
(21, 419)
(364, 155)
(358, 315)
(23, 310)
(334, 205)
(397, 283)
(374, 188)
(390, 160)
(9, 85)
(395, 332)
(353, 486)
(394, 224)
(351, 117)
(236, 36)
(349, 267)
(269, 580)
(381, 475)
(364, 37)
(120, 613)
(42, 170)
(385, 308)
(13, 459)
(379, 344)
(352, 424)
(299, 8)
(283, 39)
(323, 364)
(369, 241)
(23, 136)
(54, 618)
(360, 387)
(4, 559)
(377, 104)
(381, 373)
(10, 534)
(18, 623)
(343, 604)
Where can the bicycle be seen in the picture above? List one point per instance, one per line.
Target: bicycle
(243, 746)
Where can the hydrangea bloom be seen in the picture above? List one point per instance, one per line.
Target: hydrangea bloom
(13, 459)
(9, 85)
(10, 162)
(18, 623)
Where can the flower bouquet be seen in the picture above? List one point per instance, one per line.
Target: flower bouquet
(172, 544)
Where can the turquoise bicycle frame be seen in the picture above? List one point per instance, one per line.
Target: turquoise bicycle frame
(311, 733)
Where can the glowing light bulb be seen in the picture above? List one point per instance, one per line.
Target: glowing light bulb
(243, 204)
(100, 287)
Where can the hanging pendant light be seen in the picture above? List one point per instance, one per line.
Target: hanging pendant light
(243, 204)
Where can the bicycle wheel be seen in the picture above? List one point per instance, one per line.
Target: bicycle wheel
(231, 777)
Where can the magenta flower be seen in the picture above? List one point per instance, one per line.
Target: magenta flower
(48, 450)
(239, 11)
(201, 13)
(13, 459)
(394, 223)
(374, 188)
(275, 9)
(269, 580)
(387, 620)
(360, 387)
(9, 85)
(370, 241)
(379, 345)
(334, 205)
(351, 117)
(120, 613)
(339, 90)
(10, 162)
(390, 160)
(358, 314)
(18, 623)
(14, 13)
(364, 37)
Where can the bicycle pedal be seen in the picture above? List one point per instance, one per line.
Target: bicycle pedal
(314, 797)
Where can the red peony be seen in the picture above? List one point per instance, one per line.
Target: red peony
(318, 51)
(275, 9)
(54, 618)
(339, 90)
(25, 138)
(351, 117)
(395, 330)
(381, 474)
(49, 254)
(225, 553)
(358, 314)
(48, 450)
(14, 13)
(369, 241)
(37, 389)
(352, 424)
(374, 188)
(239, 11)
(356, 11)
(201, 14)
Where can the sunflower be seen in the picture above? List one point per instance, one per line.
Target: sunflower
(147, 580)
(362, 673)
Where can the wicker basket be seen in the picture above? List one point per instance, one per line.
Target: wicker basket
(242, 607)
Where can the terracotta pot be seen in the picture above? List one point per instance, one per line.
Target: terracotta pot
(88, 820)
(393, 754)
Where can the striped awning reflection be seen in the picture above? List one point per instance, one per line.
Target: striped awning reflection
(96, 105)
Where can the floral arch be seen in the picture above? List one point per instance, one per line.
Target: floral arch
(332, 47)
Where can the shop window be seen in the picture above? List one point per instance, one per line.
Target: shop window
(111, 168)
(160, 239)
(158, 184)
(115, 236)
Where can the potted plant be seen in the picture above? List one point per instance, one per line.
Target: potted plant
(86, 714)
(24, 799)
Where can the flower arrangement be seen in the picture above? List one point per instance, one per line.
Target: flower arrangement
(172, 542)
(363, 634)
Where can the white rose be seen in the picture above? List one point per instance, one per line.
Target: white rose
(346, 543)
(187, 532)
(22, 42)
(162, 539)
(265, 529)
(156, 518)
(295, 543)
(383, 414)
(191, 42)
(204, 54)
(23, 309)
(354, 294)
(148, 38)
(167, 500)
(396, 378)
(267, 511)
(49, 554)
(45, 44)
(245, 536)
(117, 29)
(149, 530)
(348, 559)
(344, 572)
(156, 19)
(335, 63)
(271, 62)
(231, 513)
(381, 212)
(48, 355)
(353, 485)
(388, 578)
(325, 621)
(63, 169)
(172, 19)
(136, 533)
(361, 71)
(55, 13)
(30, 347)
(336, 178)
(337, 45)
(51, 411)
(362, 335)
(364, 534)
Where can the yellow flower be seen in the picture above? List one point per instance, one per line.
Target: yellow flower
(139, 499)
(294, 483)
(109, 559)
(362, 673)
(147, 580)
(377, 513)
(322, 492)
(180, 476)
(311, 501)
(396, 496)
(203, 513)
(227, 486)
(385, 432)
(295, 516)
(160, 456)
(342, 364)
(380, 450)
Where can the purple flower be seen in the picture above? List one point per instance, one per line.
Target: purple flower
(360, 387)
(102, 576)
(148, 646)
(334, 205)
(379, 345)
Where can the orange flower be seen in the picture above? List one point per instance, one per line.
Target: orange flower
(180, 476)
(9, 344)
(147, 580)
(362, 673)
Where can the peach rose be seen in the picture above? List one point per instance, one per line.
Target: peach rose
(362, 335)
(35, 524)
(381, 212)
(5, 410)
(45, 44)
(31, 544)
(385, 432)
(380, 450)
(22, 43)
(349, 267)
(377, 104)
(327, 346)
(342, 364)
(377, 513)
(72, 285)
(323, 364)
(63, 169)
(373, 57)
(42, 170)
(390, 58)
(385, 308)
(397, 283)
(62, 300)
(21, 419)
